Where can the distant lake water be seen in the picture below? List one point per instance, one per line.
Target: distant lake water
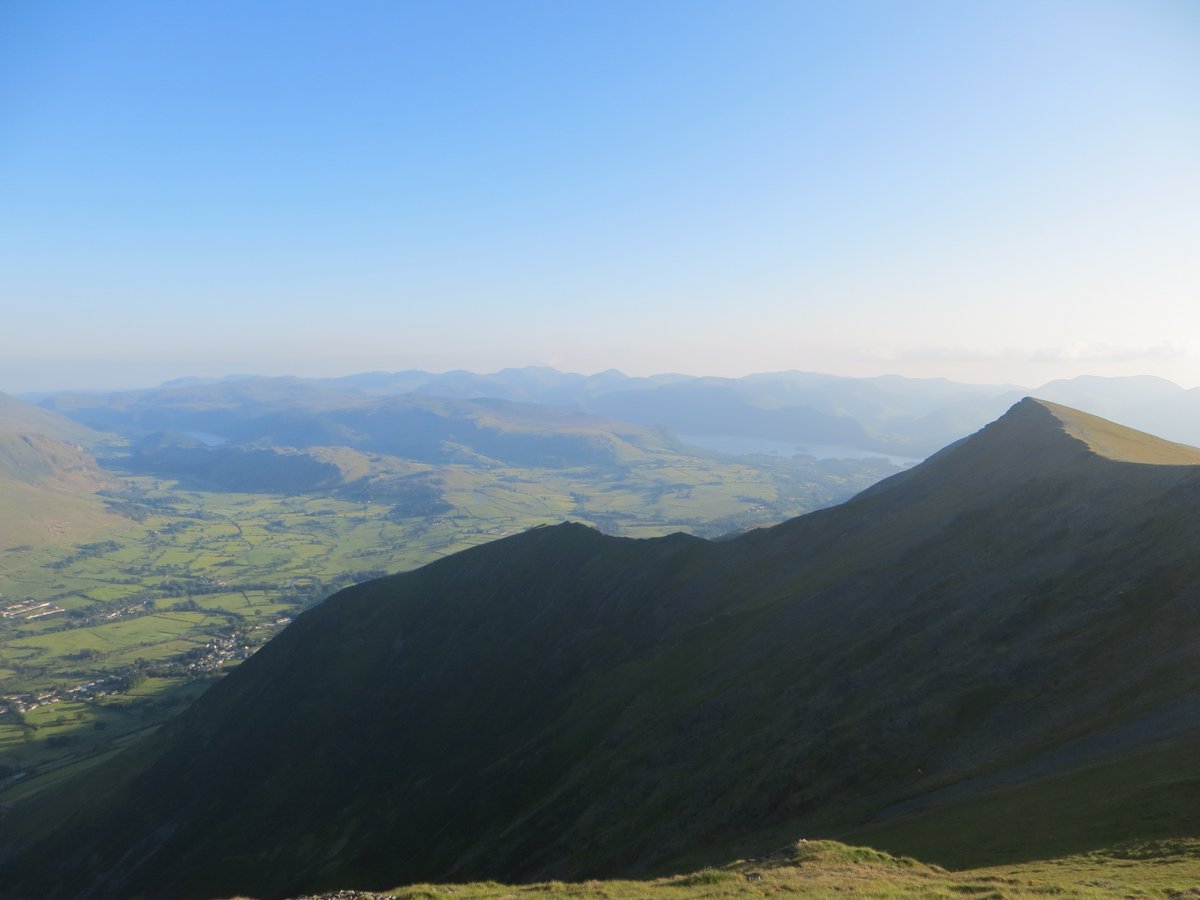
(737, 445)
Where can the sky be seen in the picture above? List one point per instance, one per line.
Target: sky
(984, 191)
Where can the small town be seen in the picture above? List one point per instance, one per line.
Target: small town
(211, 658)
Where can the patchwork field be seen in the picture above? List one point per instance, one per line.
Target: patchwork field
(100, 641)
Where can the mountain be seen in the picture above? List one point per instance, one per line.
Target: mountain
(437, 455)
(908, 417)
(901, 416)
(47, 485)
(222, 468)
(1150, 404)
(243, 434)
(292, 412)
(48, 493)
(18, 417)
(531, 384)
(1018, 610)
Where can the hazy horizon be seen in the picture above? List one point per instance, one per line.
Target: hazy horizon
(988, 192)
(231, 376)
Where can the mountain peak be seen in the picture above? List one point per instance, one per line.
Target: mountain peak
(1117, 442)
(1039, 435)
(1034, 440)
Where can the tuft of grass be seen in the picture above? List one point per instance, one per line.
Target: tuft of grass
(830, 853)
(706, 877)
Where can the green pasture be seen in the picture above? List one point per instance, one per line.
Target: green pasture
(129, 553)
(60, 739)
(234, 602)
(199, 564)
(160, 651)
(106, 593)
(57, 733)
(265, 609)
(142, 631)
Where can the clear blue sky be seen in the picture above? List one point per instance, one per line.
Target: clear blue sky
(990, 191)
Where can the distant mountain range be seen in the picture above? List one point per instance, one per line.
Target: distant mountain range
(300, 414)
(899, 416)
(293, 436)
(1017, 613)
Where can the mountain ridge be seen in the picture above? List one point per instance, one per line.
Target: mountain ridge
(566, 704)
(1121, 444)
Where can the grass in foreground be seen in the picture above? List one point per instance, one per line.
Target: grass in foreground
(829, 869)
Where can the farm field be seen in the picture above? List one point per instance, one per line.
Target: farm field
(103, 640)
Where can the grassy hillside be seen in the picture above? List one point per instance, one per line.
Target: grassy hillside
(830, 869)
(48, 493)
(17, 417)
(40, 460)
(47, 482)
(1150, 789)
(1122, 444)
(1017, 610)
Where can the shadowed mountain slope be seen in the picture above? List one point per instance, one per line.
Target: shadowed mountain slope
(562, 703)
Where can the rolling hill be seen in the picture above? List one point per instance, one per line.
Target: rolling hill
(1009, 626)
(292, 436)
(48, 481)
(901, 416)
(298, 413)
(18, 417)
(908, 417)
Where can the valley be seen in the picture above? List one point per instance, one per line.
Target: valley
(102, 640)
(978, 662)
(892, 647)
(599, 450)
